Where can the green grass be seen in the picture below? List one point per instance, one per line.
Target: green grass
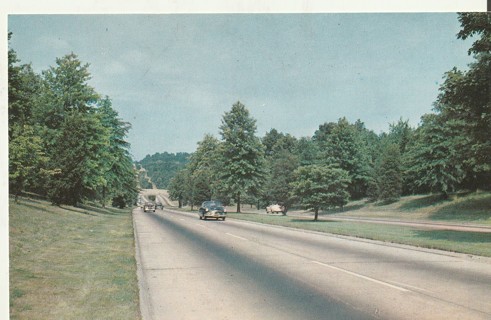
(475, 243)
(474, 208)
(461, 208)
(71, 263)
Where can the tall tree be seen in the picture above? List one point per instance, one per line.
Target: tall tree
(243, 153)
(65, 89)
(119, 176)
(177, 187)
(319, 187)
(23, 90)
(389, 174)
(464, 102)
(27, 159)
(203, 168)
(432, 163)
(281, 172)
(341, 145)
(80, 144)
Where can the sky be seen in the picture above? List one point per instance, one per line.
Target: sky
(173, 76)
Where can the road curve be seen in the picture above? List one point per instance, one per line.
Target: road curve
(193, 269)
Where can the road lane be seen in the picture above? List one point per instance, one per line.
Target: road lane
(277, 273)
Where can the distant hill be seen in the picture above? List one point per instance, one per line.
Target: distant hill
(161, 167)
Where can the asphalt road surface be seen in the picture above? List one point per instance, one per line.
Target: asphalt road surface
(194, 269)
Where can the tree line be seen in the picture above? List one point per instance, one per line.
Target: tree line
(66, 141)
(449, 150)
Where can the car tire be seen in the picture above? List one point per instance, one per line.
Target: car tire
(223, 219)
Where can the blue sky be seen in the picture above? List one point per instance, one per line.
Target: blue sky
(173, 76)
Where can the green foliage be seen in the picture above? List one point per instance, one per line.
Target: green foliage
(243, 154)
(178, 187)
(281, 162)
(203, 168)
(162, 167)
(431, 160)
(389, 174)
(64, 142)
(27, 158)
(119, 182)
(476, 23)
(65, 89)
(464, 104)
(341, 144)
(320, 187)
(80, 144)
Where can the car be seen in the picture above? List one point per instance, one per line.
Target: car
(159, 205)
(275, 208)
(149, 206)
(212, 209)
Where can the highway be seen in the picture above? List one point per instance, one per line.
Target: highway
(194, 269)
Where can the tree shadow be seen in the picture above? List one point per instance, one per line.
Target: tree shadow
(78, 210)
(423, 202)
(348, 208)
(311, 220)
(466, 210)
(455, 236)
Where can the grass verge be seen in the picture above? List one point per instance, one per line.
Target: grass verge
(71, 263)
(474, 243)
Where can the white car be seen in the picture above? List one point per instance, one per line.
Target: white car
(275, 208)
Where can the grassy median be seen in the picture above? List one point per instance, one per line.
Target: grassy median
(71, 263)
(465, 209)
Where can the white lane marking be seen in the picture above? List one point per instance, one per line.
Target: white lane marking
(181, 219)
(233, 235)
(413, 287)
(362, 276)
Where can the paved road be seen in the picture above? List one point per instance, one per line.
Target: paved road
(193, 269)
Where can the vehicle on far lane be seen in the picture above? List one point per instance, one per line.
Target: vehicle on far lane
(275, 208)
(149, 206)
(212, 209)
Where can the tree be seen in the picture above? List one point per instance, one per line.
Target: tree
(476, 23)
(65, 89)
(27, 159)
(432, 163)
(280, 174)
(243, 154)
(23, 90)
(307, 151)
(119, 176)
(340, 144)
(464, 103)
(320, 187)
(80, 144)
(177, 187)
(389, 174)
(203, 168)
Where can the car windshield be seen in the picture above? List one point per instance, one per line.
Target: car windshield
(212, 204)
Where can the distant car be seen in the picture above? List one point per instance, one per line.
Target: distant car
(159, 205)
(149, 206)
(212, 209)
(275, 208)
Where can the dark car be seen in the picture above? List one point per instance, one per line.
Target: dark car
(159, 205)
(149, 206)
(212, 209)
